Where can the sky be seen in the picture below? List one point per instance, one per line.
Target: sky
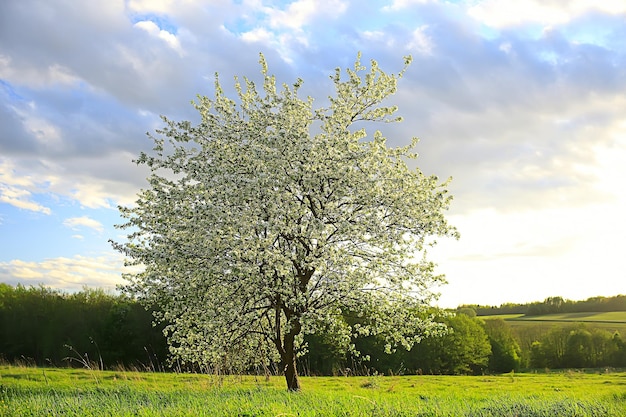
(522, 103)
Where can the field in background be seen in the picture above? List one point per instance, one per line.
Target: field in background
(615, 317)
(78, 392)
(610, 321)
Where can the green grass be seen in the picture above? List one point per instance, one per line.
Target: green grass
(610, 317)
(531, 328)
(70, 392)
(589, 317)
(609, 321)
(506, 317)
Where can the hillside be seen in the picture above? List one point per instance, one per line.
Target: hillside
(612, 321)
(552, 305)
(612, 317)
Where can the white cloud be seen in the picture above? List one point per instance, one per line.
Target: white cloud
(261, 35)
(46, 133)
(302, 12)
(37, 127)
(76, 223)
(92, 196)
(375, 35)
(154, 6)
(65, 273)
(94, 191)
(14, 189)
(503, 13)
(169, 38)
(21, 199)
(402, 4)
(421, 42)
(8, 175)
(289, 30)
(37, 76)
(525, 126)
(102, 183)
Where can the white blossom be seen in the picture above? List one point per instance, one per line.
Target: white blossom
(255, 230)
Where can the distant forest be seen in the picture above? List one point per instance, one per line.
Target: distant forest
(45, 327)
(42, 326)
(553, 305)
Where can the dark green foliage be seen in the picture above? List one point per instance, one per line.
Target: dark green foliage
(324, 356)
(577, 346)
(538, 358)
(468, 311)
(464, 350)
(47, 327)
(619, 356)
(37, 324)
(505, 351)
(553, 305)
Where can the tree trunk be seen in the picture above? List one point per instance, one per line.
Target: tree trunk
(287, 347)
(289, 358)
(291, 372)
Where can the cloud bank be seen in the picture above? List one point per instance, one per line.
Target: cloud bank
(520, 102)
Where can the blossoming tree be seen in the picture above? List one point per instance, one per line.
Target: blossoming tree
(271, 218)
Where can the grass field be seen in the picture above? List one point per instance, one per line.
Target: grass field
(531, 328)
(71, 392)
(588, 317)
(610, 321)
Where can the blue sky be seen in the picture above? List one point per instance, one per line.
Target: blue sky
(522, 103)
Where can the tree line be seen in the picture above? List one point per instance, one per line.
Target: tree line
(47, 327)
(578, 346)
(552, 305)
(44, 326)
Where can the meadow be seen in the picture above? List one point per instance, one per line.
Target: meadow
(531, 328)
(28, 391)
(613, 319)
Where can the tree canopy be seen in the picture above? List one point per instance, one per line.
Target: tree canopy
(270, 218)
